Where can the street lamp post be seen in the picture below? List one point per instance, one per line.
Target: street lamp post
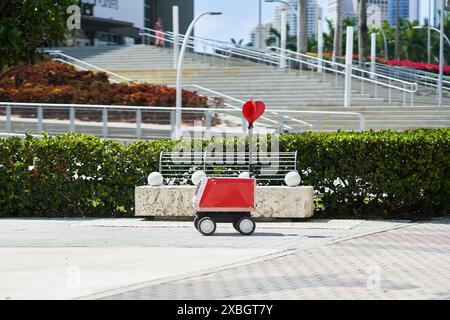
(442, 36)
(429, 34)
(285, 3)
(295, 14)
(441, 53)
(177, 133)
(437, 30)
(260, 25)
(283, 31)
(385, 43)
(283, 39)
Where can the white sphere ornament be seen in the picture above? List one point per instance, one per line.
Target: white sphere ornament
(292, 179)
(244, 175)
(197, 177)
(155, 179)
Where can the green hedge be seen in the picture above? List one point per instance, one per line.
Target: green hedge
(382, 174)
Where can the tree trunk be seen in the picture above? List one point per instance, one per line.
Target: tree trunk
(337, 45)
(397, 30)
(303, 27)
(362, 32)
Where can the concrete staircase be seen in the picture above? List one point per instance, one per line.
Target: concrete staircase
(278, 88)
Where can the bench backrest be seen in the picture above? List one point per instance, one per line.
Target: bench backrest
(268, 168)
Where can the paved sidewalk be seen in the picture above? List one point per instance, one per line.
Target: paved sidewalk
(406, 263)
(137, 259)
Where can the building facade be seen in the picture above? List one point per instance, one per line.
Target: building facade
(407, 10)
(313, 12)
(377, 11)
(265, 34)
(163, 8)
(117, 22)
(348, 10)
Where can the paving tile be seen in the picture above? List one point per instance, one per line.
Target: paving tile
(406, 263)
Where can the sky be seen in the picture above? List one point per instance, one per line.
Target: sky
(240, 16)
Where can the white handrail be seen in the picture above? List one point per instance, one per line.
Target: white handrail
(131, 81)
(78, 67)
(354, 68)
(59, 53)
(172, 109)
(423, 76)
(191, 44)
(242, 102)
(334, 64)
(223, 46)
(273, 58)
(70, 63)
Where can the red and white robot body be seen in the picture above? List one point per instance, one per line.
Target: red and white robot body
(225, 200)
(229, 199)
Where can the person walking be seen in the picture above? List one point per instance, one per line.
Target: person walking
(159, 33)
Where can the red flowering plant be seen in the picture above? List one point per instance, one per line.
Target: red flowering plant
(54, 82)
(433, 68)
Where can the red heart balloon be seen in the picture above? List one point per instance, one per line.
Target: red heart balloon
(252, 110)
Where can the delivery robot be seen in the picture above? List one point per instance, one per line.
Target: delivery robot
(229, 199)
(225, 200)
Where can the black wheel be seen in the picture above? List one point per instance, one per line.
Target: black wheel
(206, 226)
(196, 220)
(246, 226)
(235, 225)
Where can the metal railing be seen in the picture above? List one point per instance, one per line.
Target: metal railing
(197, 87)
(83, 65)
(293, 60)
(142, 122)
(409, 74)
(213, 48)
(366, 78)
(241, 103)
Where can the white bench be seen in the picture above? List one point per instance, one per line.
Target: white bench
(271, 201)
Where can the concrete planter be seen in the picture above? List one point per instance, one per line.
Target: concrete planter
(271, 201)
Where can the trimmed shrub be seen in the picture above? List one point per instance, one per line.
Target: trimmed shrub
(376, 174)
(54, 82)
(384, 174)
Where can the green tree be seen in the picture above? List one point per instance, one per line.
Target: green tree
(27, 25)
(397, 31)
(337, 43)
(303, 25)
(362, 31)
(328, 38)
(413, 42)
(275, 39)
(237, 43)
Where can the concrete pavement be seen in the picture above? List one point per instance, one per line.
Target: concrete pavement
(137, 259)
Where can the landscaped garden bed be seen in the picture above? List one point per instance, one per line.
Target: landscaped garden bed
(58, 83)
(385, 174)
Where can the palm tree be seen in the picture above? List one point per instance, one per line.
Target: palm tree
(337, 45)
(328, 38)
(303, 31)
(237, 43)
(362, 31)
(397, 30)
(275, 39)
(413, 42)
